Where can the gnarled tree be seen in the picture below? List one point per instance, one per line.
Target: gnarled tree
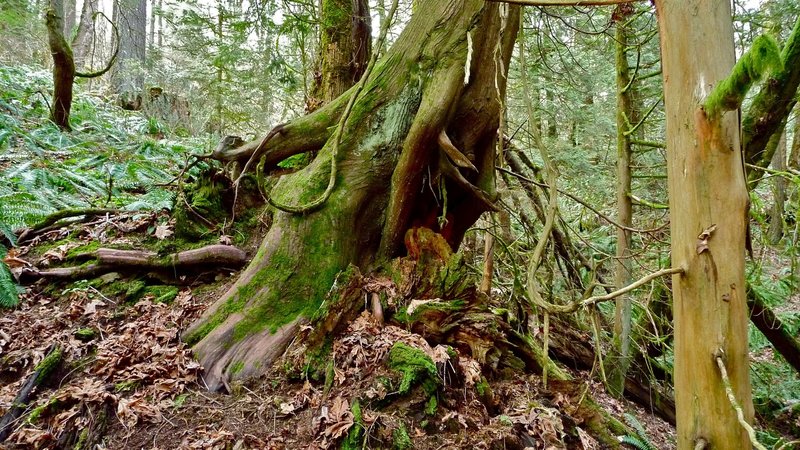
(418, 150)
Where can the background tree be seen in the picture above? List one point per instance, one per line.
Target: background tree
(130, 17)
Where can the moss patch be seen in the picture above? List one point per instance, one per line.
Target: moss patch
(764, 55)
(400, 439)
(416, 367)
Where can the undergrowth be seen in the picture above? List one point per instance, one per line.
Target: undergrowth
(113, 159)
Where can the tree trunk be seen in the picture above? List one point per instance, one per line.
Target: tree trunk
(69, 18)
(344, 49)
(708, 216)
(130, 17)
(415, 98)
(775, 232)
(619, 359)
(85, 35)
(63, 66)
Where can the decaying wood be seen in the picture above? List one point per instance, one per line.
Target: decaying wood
(772, 327)
(111, 260)
(26, 393)
(50, 221)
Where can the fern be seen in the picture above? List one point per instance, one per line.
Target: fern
(640, 441)
(9, 292)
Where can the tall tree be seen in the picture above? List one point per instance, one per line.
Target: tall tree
(620, 358)
(84, 41)
(344, 48)
(130, 17)
(418, 122)
(708, 217)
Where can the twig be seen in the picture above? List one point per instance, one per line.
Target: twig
(751, 433)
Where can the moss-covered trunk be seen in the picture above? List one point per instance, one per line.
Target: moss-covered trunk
(63, 65)
(418, 150)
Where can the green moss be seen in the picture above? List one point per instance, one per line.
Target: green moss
(482, 387)
(48, 365)
(431, 405)
(763, 56)
(126, 386)
(234, 304)
(236, 367)
(82, 250)
(37, 412)
(415, 366)
(85, 334)
(355, 437)
(161, 293)
(400, 439)
(135, 290)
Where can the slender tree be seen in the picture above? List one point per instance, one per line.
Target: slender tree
(708, 216)
(620, 358)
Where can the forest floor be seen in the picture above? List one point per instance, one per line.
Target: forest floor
(127, 382)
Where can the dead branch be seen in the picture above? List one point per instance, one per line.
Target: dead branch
(111, 260)
(39, 376)
(27, 234)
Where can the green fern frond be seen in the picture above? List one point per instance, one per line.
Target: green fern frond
(9, 293)
(636, 443)
(155, 200)
(641, 440)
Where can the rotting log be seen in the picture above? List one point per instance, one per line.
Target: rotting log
(110, 260)
(40, 375)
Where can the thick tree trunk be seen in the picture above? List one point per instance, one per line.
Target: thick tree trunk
(85, 36)
(130, 17)
(708, 216)
(417, 95)
(344, 49)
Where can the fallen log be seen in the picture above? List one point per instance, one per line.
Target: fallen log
(114, 260)
(771, 326)
(39, 376)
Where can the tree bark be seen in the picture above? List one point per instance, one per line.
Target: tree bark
(344, 48)
(85, 35)
(131, 19)
(775, 232)
(619, 358)
(63, 66)
(416, 94)
(708, 204)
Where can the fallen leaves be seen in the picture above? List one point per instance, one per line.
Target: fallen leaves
(137, 365)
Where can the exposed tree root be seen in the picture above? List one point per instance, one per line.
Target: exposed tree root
(111, 260)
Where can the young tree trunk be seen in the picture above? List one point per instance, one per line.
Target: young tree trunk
(63, 65)
(418, 117)
(708, 216)
(775, 232)
(619, 359)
